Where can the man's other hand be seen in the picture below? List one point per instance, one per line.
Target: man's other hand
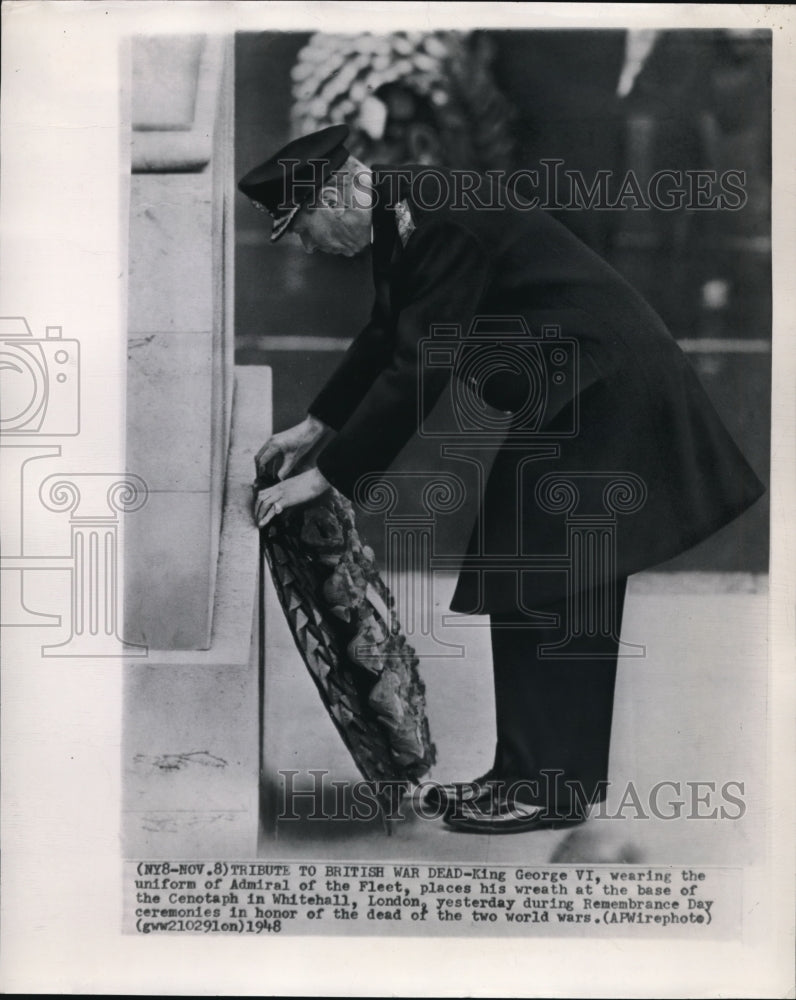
(299, 489)
(292, 444)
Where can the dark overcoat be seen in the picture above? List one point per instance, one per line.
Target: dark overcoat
(613, 407)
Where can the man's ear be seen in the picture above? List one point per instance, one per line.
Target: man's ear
(331, 199)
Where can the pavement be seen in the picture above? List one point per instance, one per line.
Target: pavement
(691, 712)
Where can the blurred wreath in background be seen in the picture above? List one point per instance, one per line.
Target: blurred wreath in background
(408, 97)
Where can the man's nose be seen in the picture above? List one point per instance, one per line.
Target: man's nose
(307, 244)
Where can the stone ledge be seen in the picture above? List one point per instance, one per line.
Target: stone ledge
(239, 547)
(191, 750)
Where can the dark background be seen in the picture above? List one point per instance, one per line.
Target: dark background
(701, 101)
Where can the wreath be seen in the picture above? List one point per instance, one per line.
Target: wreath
(341, 615)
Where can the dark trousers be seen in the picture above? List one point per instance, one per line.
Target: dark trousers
(554, 715)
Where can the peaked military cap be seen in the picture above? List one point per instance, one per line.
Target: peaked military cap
(291, 177)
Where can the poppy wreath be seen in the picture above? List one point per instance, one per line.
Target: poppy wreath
(342, 618)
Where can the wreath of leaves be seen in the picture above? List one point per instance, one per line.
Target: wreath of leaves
(365, 671)
(334, 74)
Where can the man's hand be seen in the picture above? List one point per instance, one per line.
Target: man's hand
(274, 499)
(292, 444)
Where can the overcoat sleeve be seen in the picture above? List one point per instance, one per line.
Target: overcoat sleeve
(443, 274)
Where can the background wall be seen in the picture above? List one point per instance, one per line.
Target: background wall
(599, 101)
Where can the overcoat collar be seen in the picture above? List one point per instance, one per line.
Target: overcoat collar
(387, 247)
(386, 244)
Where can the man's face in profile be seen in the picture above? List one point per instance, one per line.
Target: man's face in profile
(331, 227)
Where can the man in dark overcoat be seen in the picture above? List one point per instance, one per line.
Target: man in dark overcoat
(612, 458)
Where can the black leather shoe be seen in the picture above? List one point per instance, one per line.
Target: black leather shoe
(501, 815)
(435, 796)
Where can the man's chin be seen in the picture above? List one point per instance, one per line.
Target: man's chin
(346, 251)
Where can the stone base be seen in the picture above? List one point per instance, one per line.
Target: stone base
(190, 746)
